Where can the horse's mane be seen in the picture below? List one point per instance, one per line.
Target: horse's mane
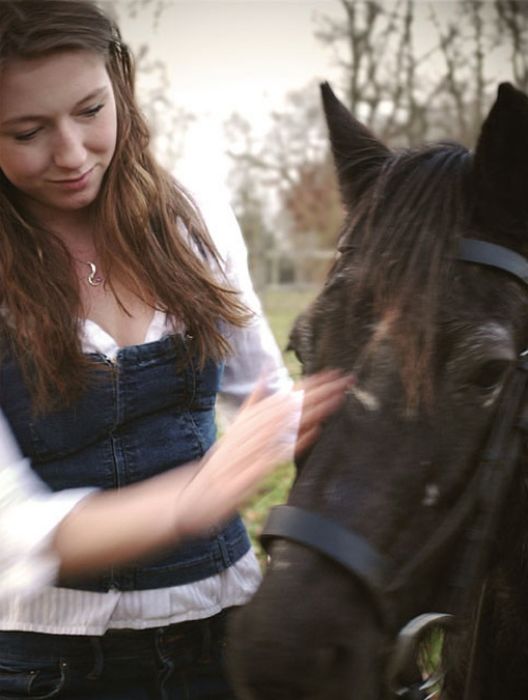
(403, 231)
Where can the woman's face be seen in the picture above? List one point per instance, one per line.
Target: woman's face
(58, 129)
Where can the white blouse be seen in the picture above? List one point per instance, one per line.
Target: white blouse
(29, 513)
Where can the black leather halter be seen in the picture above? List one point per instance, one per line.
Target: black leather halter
(483, 499)
(493, 255)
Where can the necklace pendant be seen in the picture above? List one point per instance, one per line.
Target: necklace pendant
(93, 278)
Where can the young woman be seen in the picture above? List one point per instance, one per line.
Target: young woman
(123, 312)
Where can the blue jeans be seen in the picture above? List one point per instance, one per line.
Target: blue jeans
(180, 662)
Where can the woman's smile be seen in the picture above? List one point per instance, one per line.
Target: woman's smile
(77, 183)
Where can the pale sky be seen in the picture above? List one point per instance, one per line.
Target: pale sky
(232, 53)
(225, 56)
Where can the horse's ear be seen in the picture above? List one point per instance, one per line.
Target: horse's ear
(501, 161)
(358, 154)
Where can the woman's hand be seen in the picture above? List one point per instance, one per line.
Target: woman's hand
(268, 431)
(323, 394)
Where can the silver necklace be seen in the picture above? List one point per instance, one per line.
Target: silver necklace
(94, 278)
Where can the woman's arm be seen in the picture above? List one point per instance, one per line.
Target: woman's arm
(255, 354)
(117, 526)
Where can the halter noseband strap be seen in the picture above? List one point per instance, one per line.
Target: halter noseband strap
(350, 550)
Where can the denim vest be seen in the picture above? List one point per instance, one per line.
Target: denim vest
(150, 410)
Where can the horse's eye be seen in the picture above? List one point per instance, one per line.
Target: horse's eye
(489, 375)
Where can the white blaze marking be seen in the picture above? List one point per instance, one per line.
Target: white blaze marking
(368, 400)
(432, 494)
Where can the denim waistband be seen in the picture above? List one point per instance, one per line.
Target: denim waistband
(35, 645)
(159, 662)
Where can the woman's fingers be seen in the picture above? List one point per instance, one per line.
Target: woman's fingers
(323, 394)
(264, 435)
(259, 392)
(295, 429)
(306, 438)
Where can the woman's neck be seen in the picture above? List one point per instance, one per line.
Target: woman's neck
(75, 228)
(77, 234)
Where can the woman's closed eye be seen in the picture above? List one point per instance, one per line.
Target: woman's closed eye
(93, 111)
(27, 135)
(89, 113)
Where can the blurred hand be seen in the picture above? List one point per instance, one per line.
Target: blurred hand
(267, 432)
(323, 394)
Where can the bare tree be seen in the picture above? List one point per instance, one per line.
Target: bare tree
(416, 70)
(289, 170)
(513, 24)
(136, 7)
(375, 47)
(466, 37)
(413, 71)
(168, 123)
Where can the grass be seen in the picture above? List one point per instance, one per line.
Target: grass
(281, 308)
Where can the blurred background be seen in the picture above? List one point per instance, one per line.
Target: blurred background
(231, 93)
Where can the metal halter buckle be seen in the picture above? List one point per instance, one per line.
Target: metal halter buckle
(404, 677)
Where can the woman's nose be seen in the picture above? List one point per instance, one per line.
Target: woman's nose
(69, 151)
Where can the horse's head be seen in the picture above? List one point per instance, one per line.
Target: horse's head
(433, 336)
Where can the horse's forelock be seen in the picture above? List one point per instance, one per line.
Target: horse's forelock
(404, 231)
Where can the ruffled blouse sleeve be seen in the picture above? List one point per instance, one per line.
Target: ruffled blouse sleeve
(256, 355)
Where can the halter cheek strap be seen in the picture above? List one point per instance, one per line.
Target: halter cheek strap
(492, 255)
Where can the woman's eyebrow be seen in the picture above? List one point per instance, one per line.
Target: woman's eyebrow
(98, 92)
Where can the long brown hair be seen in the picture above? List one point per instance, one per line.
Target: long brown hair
(140, 209)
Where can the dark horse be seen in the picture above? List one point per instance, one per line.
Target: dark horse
(413, 500)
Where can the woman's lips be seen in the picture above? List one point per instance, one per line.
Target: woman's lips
(75, 184)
